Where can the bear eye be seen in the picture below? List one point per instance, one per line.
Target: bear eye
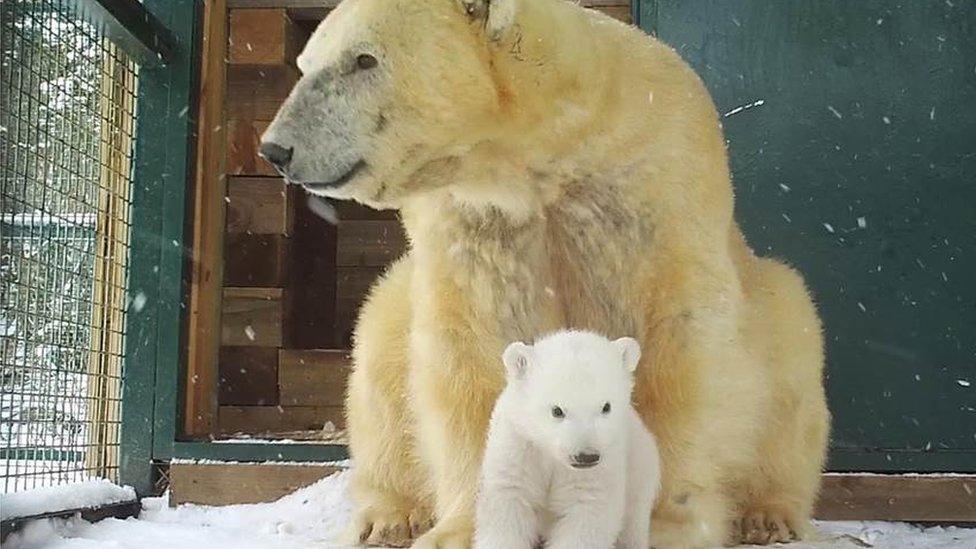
(606, 408)
(558, 413)
(366, 61)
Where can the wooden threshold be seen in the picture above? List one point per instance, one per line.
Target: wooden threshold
(909, 498)
(235, 483)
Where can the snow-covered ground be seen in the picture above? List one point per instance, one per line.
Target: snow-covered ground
(314, 516)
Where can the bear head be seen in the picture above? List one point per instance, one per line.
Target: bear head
(570, 392)
(392, 94)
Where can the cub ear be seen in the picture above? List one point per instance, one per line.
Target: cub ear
(497, 16)
(516, 358)
(630, 352)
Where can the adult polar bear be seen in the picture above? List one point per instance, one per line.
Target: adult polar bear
(552, 168)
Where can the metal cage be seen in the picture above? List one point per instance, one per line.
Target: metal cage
(68, 117)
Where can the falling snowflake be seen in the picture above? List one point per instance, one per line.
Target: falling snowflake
(139, 302)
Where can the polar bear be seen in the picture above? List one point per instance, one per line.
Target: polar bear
(552, 167)
(568, 460)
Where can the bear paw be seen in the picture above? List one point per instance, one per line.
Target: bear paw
(443, 538)
(765, 527)
(374, 526)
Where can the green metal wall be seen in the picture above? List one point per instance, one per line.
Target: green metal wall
(856, 162)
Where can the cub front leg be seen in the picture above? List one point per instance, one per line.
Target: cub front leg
(511, 481)
(505, 519)
(587, 524)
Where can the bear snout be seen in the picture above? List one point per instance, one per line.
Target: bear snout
(585, 459)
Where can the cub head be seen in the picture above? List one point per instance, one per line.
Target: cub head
(572, 391)
(392, 94)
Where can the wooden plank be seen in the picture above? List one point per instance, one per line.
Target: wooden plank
(248, 376)
(243, 141)
(313, 377)
(312, 286)
(256, 93)
(922, 498)
(318, 9)
(369, 243)
(206, 265)
(601, 3)
(263, 37)
(237, 483)
(290, 4)
(349, 210)
(109, 281)
(258, 260)
(262, 420)
(252, 317)
(621, 13)
(258, 205)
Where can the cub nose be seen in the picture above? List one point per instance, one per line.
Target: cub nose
(583, 460)
(277, 155)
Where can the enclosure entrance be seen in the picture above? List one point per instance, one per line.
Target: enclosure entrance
(67, 123)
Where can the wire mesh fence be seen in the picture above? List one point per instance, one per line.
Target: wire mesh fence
(67, 119)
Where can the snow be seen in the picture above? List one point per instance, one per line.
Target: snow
(52, 499)
(315, 516)
(737, 110)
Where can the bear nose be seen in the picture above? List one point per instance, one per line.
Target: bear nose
(277, 155)
(583, 460)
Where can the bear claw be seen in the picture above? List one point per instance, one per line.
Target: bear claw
(763, 528)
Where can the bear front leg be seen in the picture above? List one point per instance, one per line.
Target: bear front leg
(387, 486)
(453, 395)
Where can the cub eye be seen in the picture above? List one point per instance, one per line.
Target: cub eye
(366, 61)
(557, 412)
(606, 408)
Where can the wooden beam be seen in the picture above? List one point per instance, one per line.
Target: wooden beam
(258, 205)
(914, 498)
(249, 376)
(253, 317)
(313, 377)
(273, 420)
(206, 270)
(262, 37)
(236, 483)
(288, 4)
(924, 498)
(369, 243)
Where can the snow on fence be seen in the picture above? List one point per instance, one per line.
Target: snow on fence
(67, 114)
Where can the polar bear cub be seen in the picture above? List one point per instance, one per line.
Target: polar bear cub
(568, 462)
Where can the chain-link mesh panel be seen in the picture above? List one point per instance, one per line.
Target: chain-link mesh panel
(67, 117)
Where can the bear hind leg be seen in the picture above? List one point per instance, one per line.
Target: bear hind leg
(777, 499)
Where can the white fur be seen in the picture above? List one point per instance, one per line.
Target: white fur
(530, 490)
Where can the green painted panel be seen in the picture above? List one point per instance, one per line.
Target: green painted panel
(857, 164)
(162, 165)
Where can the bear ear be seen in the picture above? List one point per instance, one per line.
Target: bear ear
(516, 358)
(498, 16)
(630, 352)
